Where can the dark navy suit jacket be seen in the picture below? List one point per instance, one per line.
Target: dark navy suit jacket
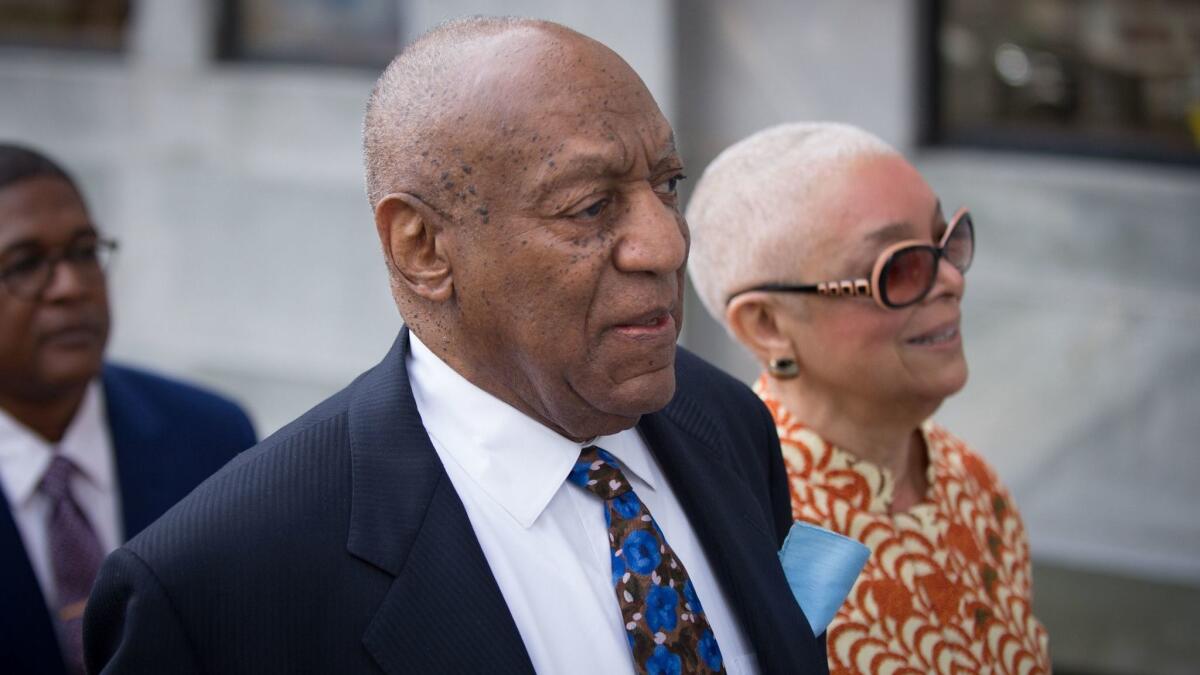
(338, 545)
(167, 437)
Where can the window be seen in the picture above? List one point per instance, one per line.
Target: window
(338, 32)
(70, 24)
(1118, 78)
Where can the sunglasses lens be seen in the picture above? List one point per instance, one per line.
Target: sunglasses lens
(960, 246)
(907, 276)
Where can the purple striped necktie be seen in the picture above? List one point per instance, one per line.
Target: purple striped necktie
(75, 557)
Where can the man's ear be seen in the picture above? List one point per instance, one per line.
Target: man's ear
(414, 246)
(754, 320)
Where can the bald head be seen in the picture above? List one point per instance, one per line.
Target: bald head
(409, 105)
(434, 110)
(749, 213)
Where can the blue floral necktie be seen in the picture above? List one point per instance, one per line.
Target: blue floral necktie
(664, 621)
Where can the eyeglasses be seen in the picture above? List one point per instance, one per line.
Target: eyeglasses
(904, 273)
(26, 270)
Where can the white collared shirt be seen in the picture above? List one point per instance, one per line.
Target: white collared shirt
(544, 538)
(24, 458)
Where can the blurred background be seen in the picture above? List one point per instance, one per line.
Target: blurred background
(219, 141)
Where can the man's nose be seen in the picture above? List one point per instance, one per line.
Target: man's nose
(654, 238)
(66, 282)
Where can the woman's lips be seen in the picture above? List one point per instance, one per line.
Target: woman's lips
(939, 337)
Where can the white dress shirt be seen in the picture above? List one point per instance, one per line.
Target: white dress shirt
(544, 538)
(24, 458)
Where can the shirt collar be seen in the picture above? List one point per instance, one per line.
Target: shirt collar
(87, 436)
(630, 450)
(825, 459)
(25, 456)
(515, 460)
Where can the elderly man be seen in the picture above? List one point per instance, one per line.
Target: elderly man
(90, 453)
(504, 492)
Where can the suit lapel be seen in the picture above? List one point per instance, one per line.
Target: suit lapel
(27, 640)
(444, 612)
(738, 543)
(713, 495)
(136, 433)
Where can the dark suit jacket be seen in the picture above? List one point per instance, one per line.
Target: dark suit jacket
(339, 545)
(167, 437)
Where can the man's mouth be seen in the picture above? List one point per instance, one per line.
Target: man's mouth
(80, 335)
(649, 324)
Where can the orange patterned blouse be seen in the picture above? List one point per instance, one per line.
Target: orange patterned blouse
(948, 587)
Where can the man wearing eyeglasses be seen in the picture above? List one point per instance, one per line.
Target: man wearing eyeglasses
(90, 453)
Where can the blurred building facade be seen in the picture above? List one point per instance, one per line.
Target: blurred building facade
(219, 141)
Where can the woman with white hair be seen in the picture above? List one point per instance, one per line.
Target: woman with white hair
(827, 255)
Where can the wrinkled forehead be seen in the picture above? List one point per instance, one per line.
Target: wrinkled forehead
(550, 60)
(547, 104)
(530, 76)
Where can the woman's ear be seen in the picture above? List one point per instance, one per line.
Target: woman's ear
(413, 246)
(754, 319)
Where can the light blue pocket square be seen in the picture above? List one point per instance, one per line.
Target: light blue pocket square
(821, 567)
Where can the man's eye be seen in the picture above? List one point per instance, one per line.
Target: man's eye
(22, 266)
(85, 252)
(594, 210)
(670, 185)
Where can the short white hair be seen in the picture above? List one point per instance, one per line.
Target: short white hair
(747, 208)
